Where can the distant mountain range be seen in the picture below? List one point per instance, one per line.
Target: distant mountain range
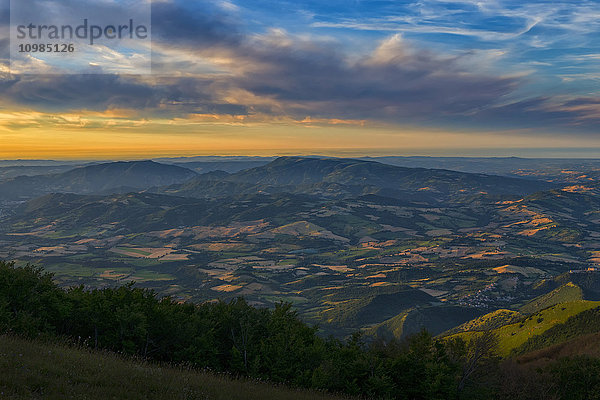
(348, 177)
(147, 195)
(116, 177)
(326, 177)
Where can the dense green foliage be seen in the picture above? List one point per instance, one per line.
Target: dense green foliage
(577, 378)
(566, 378)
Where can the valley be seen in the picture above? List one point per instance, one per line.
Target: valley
(353, 244)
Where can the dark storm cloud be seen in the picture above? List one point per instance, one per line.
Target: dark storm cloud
(407, 85)
(195, 24)
(168, 96)
(77, 91)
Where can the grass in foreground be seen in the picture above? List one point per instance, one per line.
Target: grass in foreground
(35, 370)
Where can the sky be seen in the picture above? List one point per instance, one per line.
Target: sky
(354, 77)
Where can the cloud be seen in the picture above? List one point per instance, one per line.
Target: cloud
(196, 24)
(209, 66)
(395, 82)
(553, 115)
(273, 73)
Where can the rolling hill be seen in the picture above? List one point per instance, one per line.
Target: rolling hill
(493, 320)
(562, 294)
(371, 309)
(434, 319)
(586, 282)
(15, 171)
(116, 177)
(143, 211)
(349, 177)
(203, 167)
(583, 323)
(67, 211)
(560, 314)
(515, 335)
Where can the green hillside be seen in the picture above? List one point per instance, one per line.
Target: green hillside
(31, 369)
(514, 335)
(586, 322)
(562, 294)
(493, 320)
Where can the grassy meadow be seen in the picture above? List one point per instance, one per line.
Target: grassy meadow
(36, 370)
